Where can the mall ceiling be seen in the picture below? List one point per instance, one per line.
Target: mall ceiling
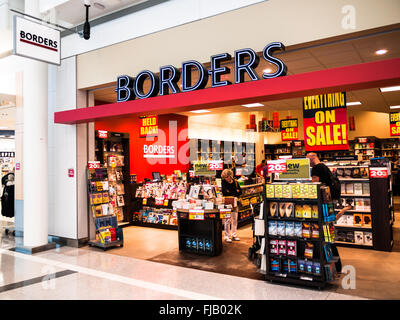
(72, 12)
(320, 56)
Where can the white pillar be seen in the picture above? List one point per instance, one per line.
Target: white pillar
(35, 147)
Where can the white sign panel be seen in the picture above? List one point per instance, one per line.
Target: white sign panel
(36, 41)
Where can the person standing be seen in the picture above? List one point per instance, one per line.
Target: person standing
(259, 168)
(321, 173)
(230, 188)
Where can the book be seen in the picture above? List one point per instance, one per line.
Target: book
(306, 232)
(349, 188)
(281, 228)
(289, 209)
(309, 250)
(287, 191)
(273, 228)
(278, 190)
(368, 238)
(358, 188)
(120, 201)
(358, 221)
(358, 237)
(273, 209)
(307, 211)
(359, 204)
(270, 191)
(282, 209)
(365, 188)
(298, 211)
(367, 220)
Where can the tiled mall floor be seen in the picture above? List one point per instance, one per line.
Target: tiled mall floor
(146, 268)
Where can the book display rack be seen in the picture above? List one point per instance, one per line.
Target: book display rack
(371, 217)
(112, 150)
(298, 233)
(107, 232)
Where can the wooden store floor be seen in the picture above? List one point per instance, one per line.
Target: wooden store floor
(377, 273)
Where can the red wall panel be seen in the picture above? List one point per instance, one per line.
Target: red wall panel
(173, 131)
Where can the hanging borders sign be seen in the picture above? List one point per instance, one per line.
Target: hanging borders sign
(325, 122)
(35, 41)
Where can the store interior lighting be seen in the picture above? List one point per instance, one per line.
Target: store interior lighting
(389, 89)
(395, 107)
(381, 51)
(355, 103)
(200, 111)
(252, 105)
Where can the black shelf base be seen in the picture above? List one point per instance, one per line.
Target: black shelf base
(296, 281)
(154, 225)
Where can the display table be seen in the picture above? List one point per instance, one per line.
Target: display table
(200, 231)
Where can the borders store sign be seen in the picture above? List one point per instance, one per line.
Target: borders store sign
(245, 62)
(36, 41)
(289, 129)
(395, 123)
(325, 122)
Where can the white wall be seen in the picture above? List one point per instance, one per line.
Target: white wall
(62, 152)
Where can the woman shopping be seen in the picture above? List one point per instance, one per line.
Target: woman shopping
(230, 188)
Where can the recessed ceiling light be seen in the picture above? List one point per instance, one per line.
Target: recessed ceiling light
(395, 107)
(99, 5)
(355, 103)
(381, 51)
(200, 111)
(252, 105)
(268, 70)
(388, 89)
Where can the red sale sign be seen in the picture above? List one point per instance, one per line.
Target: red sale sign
(94, 164)
(325, 122)
(276, 166)
(215, 165)
(103, 134)
(378, 172)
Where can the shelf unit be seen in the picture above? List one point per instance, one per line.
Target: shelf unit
(248, 198)
(309, 276)
(207, 230)
(201, 149)
(377, 233)
(117, 144)
(138, 206)
(97, 179)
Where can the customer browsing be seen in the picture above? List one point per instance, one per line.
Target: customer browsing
(230, 188)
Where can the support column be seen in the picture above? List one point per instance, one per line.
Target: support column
(35, 148)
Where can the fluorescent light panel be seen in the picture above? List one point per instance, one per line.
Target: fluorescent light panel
(355, 103)
(388, 89)
(200, 111)
(395, 107)
(252, 105)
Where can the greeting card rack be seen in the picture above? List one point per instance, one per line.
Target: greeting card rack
(107, 233)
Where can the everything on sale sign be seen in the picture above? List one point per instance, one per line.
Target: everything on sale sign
(395, 123)
(325, 122)
(289, 129)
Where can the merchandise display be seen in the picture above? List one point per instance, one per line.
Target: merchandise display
(112, 152)
(356, 227)
(108, 234)
(297, 237)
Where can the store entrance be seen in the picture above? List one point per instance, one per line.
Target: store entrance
(241, 138)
